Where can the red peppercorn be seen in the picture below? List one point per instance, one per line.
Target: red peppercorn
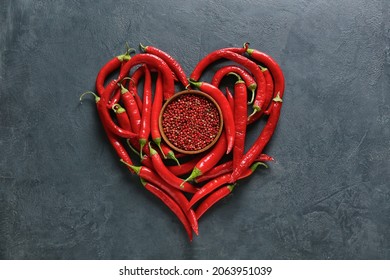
(191, 122)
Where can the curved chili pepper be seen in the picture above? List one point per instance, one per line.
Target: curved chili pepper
(227, 114)
(132, 109)
(245, 62)
(261, 141)
(172, 63)
(210, 159)
(156, 108)
(240, 116)
(212, 199)
(212, 57)
(133, 84)
(268, 93)
(107, 69)
(209, 187)
(272, 66)
(263, 99)
(230, 98)
(184, 168)
(167, 175)
(275, 108)
(144, 131)
(248, 79)
(226, 168)
(105, 115)
(220, 181)
(113, 139)
(165, 150)
(121, 115)
(159, 64)
(172, 205)
(149, 175)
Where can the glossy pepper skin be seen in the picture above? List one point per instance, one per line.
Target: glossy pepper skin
(240, 116)
(159, 64)
(144, 131)
(209, 160)
(172, 205)
(227, 113)
(172, 63)
(276, 106)
(245, 75)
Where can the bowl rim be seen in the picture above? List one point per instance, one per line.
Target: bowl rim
(175, 96)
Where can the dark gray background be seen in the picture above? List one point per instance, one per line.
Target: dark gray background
(64, 194)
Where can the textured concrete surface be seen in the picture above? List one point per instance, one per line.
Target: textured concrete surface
(64, 195)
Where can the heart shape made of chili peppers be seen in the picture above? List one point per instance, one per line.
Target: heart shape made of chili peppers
(135, 123)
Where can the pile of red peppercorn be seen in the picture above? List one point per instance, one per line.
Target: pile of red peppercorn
(189, 122)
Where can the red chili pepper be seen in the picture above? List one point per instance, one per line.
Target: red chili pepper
(272, 121)
(169, 153)
(133, 84)
(156, 108)
(167, 175)
(248, 79)
(168, 201)
(262, 99)
(172, 63)
(113, 139)
(144, 131)
(245, 62)
(132, 109)
(212, 199)
(209, 187)
(227, 113)
(212, 57)
(107, 69)
(184, 168)
(149, 175)
(261, 141)
(226, 167)
(105, 115)
(240, 116)
(230, 98)
(220, 181)
(268, 93)
(273, 67)
(210, 159)
(121, 115)
(159, 64)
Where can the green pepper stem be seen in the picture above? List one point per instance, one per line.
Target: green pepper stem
(137, 169)
(195, 83)
(97, 98)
